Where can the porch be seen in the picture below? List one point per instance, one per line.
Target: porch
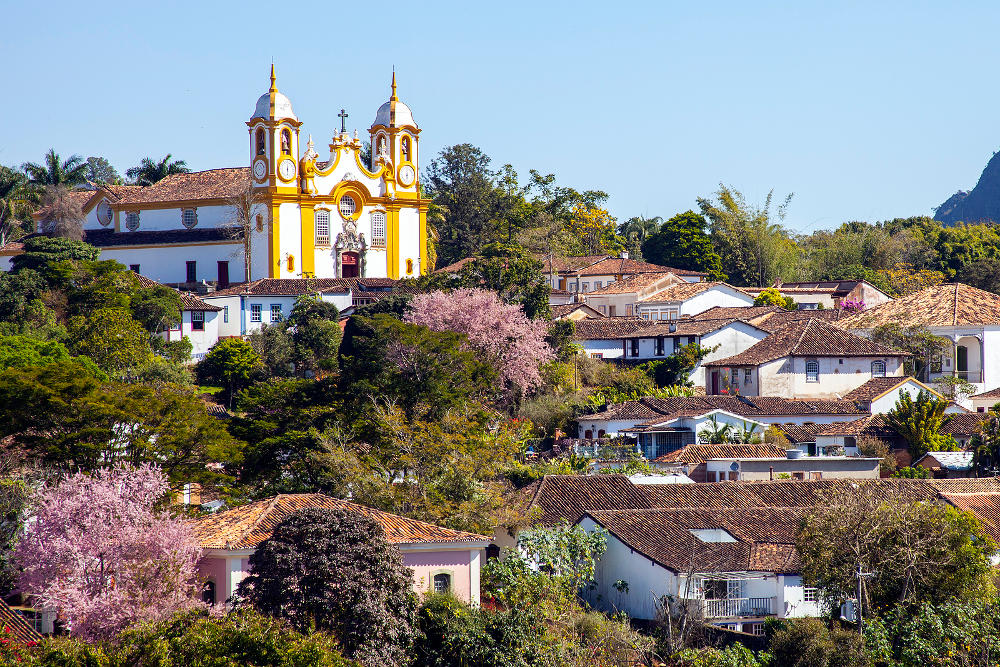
(738, 607)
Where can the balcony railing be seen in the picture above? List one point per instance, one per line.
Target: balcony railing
(738, 607)
(970, 376)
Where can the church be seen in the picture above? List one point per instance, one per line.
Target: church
(346, 216)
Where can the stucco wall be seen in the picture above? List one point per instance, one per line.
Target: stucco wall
(463, 566)
(169, 265)
(201, 341)
(786, 377)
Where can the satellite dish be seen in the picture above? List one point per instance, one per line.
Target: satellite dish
(734, 466)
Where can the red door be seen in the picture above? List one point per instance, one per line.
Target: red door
(349, 265)
(715, 382)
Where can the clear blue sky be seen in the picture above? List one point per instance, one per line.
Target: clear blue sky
(865, 110)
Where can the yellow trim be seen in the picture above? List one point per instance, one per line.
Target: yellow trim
(392, 243)
(357, 192)
(274, 244)
(332, 164)
(422, 242)
(308, 241)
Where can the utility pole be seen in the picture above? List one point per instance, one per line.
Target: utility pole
(857, 606)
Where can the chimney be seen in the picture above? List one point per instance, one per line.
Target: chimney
(624, 254)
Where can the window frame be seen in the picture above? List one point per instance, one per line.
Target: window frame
(276, 308)
(812, 363)
(194, 217)
(747, 375)
(810, 594)
(878, 363)
(379, 223)
(197, 320)
(446, 576)
(354, 206)
(132, 220)
(322, 239)
(256, 312)
(225, 314)
(191, 271)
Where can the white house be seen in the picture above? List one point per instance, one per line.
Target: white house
(880, 394)
(657, 437)
(690, 299)
(580, 275)
(805, 358)
(200, 322)
(732, 567)
(968, 317)
(810, 295)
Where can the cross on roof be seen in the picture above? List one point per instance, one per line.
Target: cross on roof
(343, 120)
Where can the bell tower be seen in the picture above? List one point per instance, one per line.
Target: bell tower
(274, 142)
(394, 137)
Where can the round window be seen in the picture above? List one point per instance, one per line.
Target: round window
(347, 206)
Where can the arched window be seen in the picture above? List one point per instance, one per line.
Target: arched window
(286, 142)
(409, 266)
(322, 228)
(405, 149)
(291, 262)
(442, 583)
(347, 206)
(812, 370)
(878, 369)
(208, 592)
(261, 142)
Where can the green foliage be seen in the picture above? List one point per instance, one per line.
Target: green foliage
(116, 342)
(20, 351)
(14, 495)
(950, 633)
(315, 335)
(333, 570)
(676, 369)
(514, 274)
(231, 363)
(809, 642)
(924, 346)
(919, 423)
(986, 445)
(910, 472)
(41, 251)
(772, 297)
(734, 655)
(682, 243)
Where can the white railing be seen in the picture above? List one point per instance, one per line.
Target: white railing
(737, 607)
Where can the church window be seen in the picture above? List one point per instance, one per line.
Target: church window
(291, 262)
(286, 142)
(197, 320)
(132, 221)
(261, 142)
(405, 149)
(378, 228)
(275, 312)
(189, 217)
(347, 206)
(192, 271)
(260, 223)
(322, 228)
(255, 309)
(409, 266)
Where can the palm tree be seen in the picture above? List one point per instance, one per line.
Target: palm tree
(638, 229)
(16, 201)
(148, 171)
(69, 172)
(716, 433)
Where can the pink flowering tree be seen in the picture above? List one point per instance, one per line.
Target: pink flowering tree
(99, 554)
(500, 332)
(851, 305)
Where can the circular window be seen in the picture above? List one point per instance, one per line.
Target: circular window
(104, 213)
(347, 206)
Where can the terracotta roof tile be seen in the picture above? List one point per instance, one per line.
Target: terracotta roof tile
(797, 433)
(300, 286)
(992, 393)
(694, 454)
(684, 291)
(245, 527)
(188, 301)
(16, 626)
(567, 497)
(211, 184)
(963, 425)
(80, 198)
(635, 283)
(953, 304)
(746, 406)
(986, 507)
(808, 338)
(565, 309)
(745, 313)
(877, 387)
(609, 328)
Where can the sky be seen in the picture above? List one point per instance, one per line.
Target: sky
(864, 110)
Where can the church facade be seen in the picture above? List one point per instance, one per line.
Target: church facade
(302, 217)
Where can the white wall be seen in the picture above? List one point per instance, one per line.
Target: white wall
(731, 339)
(159, 219)
(201, 341)
(716, 296)
(786, 377)
(169, 265)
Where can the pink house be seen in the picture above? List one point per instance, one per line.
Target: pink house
(441, 558)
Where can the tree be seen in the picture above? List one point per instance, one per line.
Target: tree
(100, 554)
(924, 347)
(232, 363)
(636, 231)
(149, 171)
(16, 201)
(595, 230)
(100, 172)
(682, 243)
(757, 249)
(808, 642)
(675, 370)
(919, 423)
(69, 172)
(61, 214)
(511, 272)
(903, 279)
(244, 638)
(916, 551)
(986, 446)
(117, 343)
(333, 570)
(244, 208)
(40, 252)
(315, 335)
(14, 495)
(499, 333)
(772, 297)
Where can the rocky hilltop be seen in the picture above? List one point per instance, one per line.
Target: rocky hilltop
(980, 204)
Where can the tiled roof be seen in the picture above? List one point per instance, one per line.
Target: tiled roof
(210, 184)
(779, 318)
(609, 328)
(693, 454)
(963, 424)
(605, 265)
(106, 238)
(953, 304)
(877, 387)
(873, 425)
(245, 527)
(565, 309)
(684, 291)
(300, 286)
(188, 301)
(802, 432)
(765, 537)
(12, 248)
(16, 626)
(634, 283)
(950, 460)
(836, 287)
(808, 338)
(78, 197)
(745, 313)
(559, 497)
(116, 193)
(455, 267)
(986, 507)
(992, 393)
(746, 406)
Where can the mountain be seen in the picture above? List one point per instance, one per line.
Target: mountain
(980, 204)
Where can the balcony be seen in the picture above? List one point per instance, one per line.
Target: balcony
(738, 607)
(970, 376)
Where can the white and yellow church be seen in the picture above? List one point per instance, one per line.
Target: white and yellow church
(310, 218)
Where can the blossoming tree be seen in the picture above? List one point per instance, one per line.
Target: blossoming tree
(500, 332)
(103, 557)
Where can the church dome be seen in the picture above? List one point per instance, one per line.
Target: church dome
(273, 105)
(394, 113)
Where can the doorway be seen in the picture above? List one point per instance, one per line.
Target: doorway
(349, 265)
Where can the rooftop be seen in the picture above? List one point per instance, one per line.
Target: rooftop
(696, 454)
(878, 387)
(952, 304)
(212, 184)
(683, 291)
(745, 406)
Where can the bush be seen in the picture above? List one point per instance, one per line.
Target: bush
(808, 642)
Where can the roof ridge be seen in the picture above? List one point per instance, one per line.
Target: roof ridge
(954, 312)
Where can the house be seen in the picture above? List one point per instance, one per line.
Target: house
(829, 294)
(734, 567)
(615, 419)
(804, 358)
(442, 559)
(592, 272)
(574, 311)
(968, 317)
(200, 322)
(880, 394)
(959, 424)
(983, 401)
(947, 464)
(692, 459)
(618, 298)
(657, 437)
(560, 297)
(791, 465)
(663, 296)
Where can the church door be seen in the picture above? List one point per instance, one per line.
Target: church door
(349, 265)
